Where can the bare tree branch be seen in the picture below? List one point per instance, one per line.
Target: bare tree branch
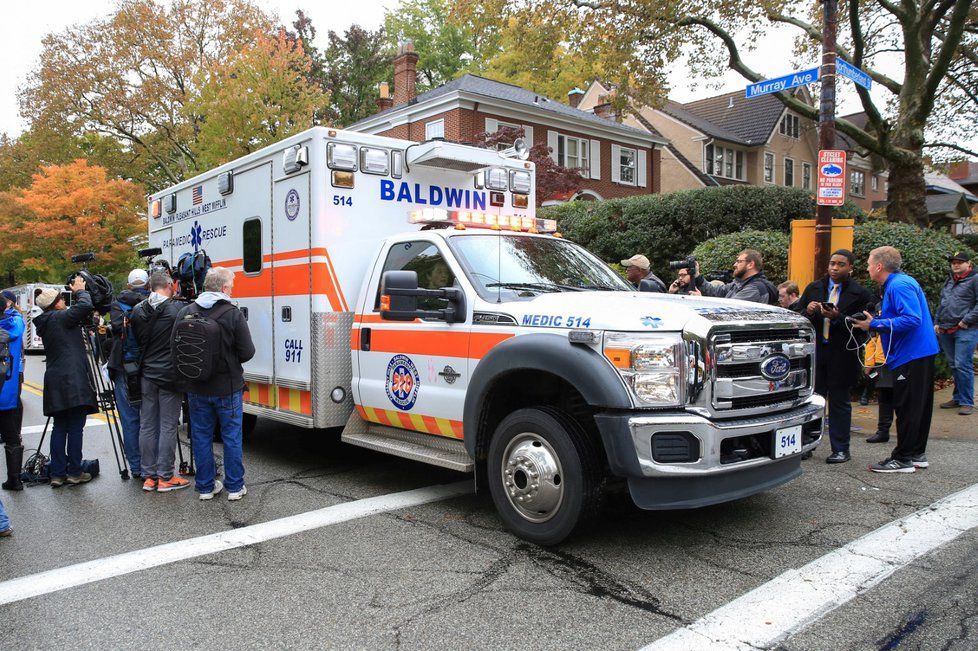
(948, 145)
(944, 57)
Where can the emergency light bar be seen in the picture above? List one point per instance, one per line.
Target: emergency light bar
(477, 219)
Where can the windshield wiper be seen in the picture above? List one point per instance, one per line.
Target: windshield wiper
(547, 287)
(603, 288)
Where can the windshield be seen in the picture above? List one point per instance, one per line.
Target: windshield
(524, 267)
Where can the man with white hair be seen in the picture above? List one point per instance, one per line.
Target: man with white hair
(214, 391)
(907, 336)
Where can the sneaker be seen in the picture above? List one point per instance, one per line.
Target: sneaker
(234, 496)
(950, 404)
(218, 487)
(58, 482)
(892, 465)
(172, 484)
(920, 461)
(80, 479)
(966, 410)
(149, 484)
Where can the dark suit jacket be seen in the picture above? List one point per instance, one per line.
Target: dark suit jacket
(840, 366)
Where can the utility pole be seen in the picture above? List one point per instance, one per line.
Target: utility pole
(826, 129)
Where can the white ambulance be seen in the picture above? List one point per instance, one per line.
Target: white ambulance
(408, 293)
(25, 304)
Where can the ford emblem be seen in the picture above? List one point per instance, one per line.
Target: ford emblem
(775, 367)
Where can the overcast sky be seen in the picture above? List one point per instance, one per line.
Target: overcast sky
(26, 24)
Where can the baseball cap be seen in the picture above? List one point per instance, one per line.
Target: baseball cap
(138, 277)
(46, 297)
(9, 295)
(639, 261)
(960, 256)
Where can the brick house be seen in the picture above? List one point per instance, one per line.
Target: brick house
(729, 140)
(616, 160)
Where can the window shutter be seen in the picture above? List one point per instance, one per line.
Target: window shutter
(492, 126)
(552, 143)
(595, 159)
(642, 168)
(615, 164)
(528, 135)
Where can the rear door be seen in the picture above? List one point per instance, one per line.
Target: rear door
(413, 375)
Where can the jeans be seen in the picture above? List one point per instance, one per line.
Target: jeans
(959, 349)
(129, 417)
(4, 520)
(67, 433)
(159, 417)
(226, 411)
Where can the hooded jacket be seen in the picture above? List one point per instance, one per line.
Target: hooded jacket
(236, 348)
(13, 323)
(959, 301)
(757, 289)
(131, 298)
(66, 381)
(153, 328)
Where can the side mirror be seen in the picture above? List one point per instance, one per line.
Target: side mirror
(398, 295)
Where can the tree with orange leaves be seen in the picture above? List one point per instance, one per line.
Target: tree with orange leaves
(71, 209)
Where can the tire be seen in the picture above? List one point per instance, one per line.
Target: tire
(544, 444)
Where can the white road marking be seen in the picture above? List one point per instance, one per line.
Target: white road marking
(773, 612)
(36, 429)
(63, 578)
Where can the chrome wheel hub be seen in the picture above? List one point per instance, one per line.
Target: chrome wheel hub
(532, 477)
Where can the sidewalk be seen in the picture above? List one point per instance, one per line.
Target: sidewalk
(945, 424)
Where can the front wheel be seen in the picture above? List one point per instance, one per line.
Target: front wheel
(545, 474)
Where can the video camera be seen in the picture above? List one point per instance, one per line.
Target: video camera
(98, 286)
(688, 263)
(154, 265)
(723, 276)
(189, 271)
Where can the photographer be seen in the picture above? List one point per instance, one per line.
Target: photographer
(637, 269)
(159, 413)
(68, 394)
(749, 283)
(683, 284)
(827, 302)
(125, 350)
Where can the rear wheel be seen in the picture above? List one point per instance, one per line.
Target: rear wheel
(545, 474)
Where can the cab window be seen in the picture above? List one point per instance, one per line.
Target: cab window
(426, 260)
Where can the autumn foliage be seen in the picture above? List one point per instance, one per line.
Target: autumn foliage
(70, 209)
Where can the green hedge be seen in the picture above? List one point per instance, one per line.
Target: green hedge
(924, 253)
(719, 253)
(669, 226)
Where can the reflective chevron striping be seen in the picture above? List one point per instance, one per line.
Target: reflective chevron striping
(416, 422)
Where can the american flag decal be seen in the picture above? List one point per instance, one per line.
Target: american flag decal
(198, 194)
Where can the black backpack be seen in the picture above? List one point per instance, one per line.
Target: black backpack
(197, 343)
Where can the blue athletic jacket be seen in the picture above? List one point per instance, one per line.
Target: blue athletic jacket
(13, 323)
(905, 312)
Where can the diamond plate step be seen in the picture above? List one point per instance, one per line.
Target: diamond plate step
(426, 448)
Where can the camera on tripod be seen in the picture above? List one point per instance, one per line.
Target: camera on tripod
(154, 264)
(688, 263)
(188, 272)
(98, 286)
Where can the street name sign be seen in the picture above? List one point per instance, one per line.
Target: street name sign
(831, 177)
(852, 72)
(795, 79)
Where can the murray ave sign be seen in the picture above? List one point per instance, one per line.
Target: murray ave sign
(795, 79)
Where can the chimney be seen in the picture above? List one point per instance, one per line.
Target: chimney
(959, 170)
(574, 97)
(405, 73)
(605, 111)
(384, 102)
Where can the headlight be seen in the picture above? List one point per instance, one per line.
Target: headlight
(651, 365)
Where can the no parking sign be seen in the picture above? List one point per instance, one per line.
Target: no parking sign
(831, 177)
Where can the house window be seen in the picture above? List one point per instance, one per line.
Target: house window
(790, 125)
(875, 181)
(857, 183)
(574, 153)
(789, 172)
(724, 161)
(626, 166)
(806, 176)
(435, 129)
(511, 128)
(768, 167)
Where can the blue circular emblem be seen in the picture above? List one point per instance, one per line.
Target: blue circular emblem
(292, 205)
(775, 367)
(402, 382)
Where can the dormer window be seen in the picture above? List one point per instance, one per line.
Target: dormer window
(790, 126)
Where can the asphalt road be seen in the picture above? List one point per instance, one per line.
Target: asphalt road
(447, 575)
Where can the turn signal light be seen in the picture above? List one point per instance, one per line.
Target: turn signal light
(385, 303)
(342, 179)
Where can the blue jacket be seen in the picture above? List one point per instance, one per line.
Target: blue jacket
(906, 316)
(13, 323)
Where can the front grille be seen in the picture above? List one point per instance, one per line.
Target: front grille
(752, 336)
(750, 369)
(764, 401)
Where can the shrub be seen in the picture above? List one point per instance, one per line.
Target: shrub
(969, 240)
(669, 226)
(924, 253)
(720, 252)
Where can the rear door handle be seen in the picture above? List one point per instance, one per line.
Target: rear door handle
(364, 338)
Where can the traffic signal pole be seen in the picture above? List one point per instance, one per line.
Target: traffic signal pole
(826, 129)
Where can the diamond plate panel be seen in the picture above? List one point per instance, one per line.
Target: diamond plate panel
(332, 367)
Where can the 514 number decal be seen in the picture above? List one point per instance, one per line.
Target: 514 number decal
(340, 200)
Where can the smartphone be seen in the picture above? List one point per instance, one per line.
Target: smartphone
(828, 306)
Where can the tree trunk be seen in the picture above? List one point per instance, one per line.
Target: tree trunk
(906, 193)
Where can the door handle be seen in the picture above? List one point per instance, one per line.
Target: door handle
(365, 339)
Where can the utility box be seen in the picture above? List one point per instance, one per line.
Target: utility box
(801, 250)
